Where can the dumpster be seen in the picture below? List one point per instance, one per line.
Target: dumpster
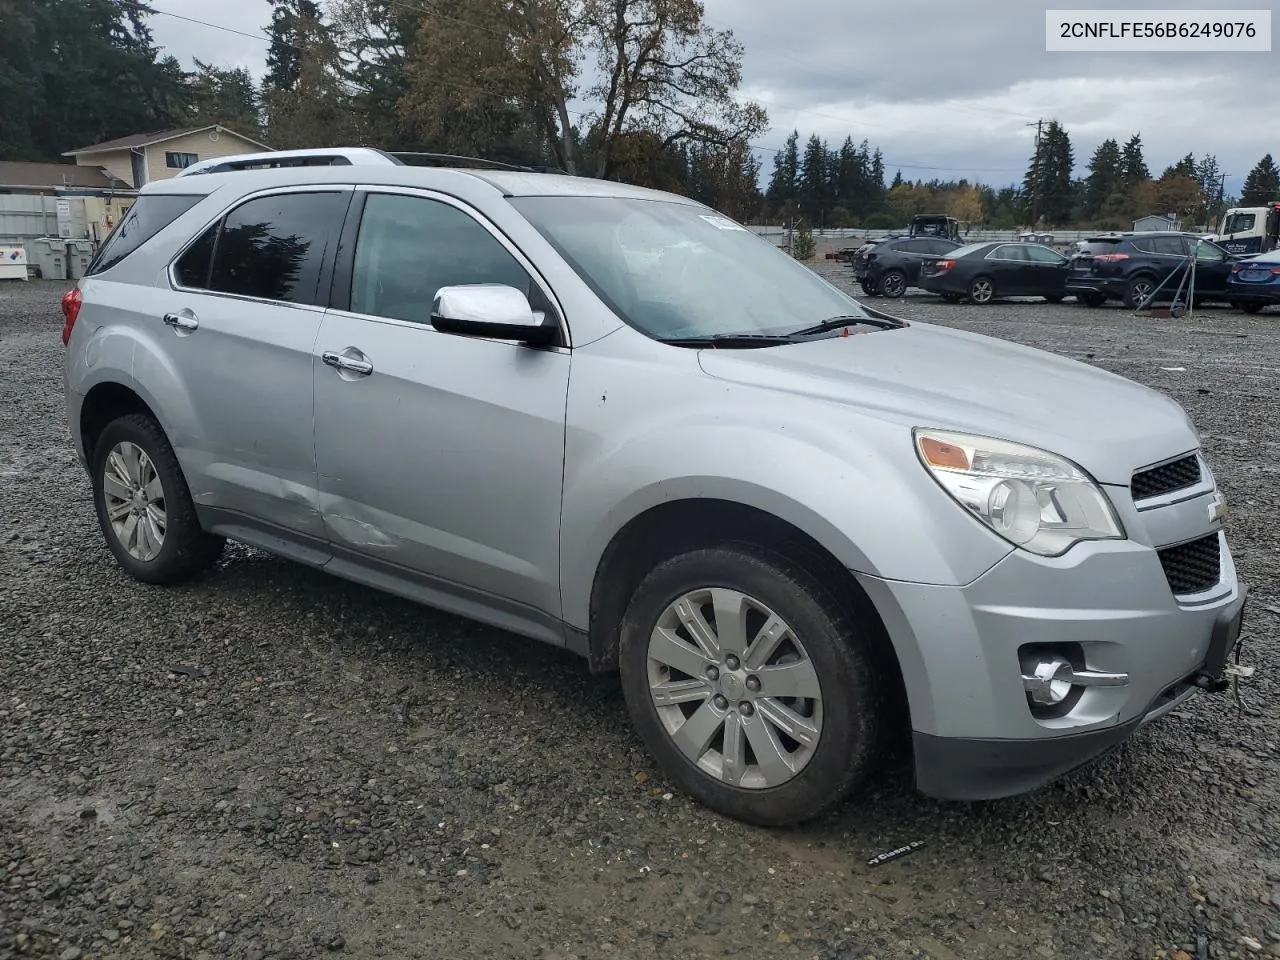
(49, 254)
(79, 254)
(13, 263)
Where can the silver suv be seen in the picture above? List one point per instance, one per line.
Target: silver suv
(616, 421)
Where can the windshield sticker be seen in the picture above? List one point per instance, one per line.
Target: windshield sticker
(721, 223)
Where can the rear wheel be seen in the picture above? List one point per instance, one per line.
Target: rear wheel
(893, 284)
(1093, 299)
(1138, 292)
(867, 287)
(1248, 306)
(982, 290)
(144, 507)
(749, 686)
(1055, 298)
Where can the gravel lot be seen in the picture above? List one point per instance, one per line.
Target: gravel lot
(273, 763)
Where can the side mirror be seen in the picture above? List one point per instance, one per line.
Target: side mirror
(491, 310)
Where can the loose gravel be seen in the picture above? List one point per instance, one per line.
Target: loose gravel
(273, 763)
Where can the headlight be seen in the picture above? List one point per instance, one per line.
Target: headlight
(1034, 499)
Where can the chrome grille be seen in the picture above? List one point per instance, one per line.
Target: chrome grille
(1194, 566)
(1166, 478)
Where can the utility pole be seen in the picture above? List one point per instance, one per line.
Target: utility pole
(1222, 189)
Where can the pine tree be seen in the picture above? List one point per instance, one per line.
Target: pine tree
(289, 20)
(1133, 168)
(1262, 185)
(813, 178)
(786, 173)
(1049, 185)
(1104, 177)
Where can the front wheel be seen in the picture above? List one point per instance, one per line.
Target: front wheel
(1054, 298)
(868, 287)
(1249, 307)
(749, 686)
(144, 507)
(1093, 299)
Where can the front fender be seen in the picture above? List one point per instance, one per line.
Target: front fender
(878, 512)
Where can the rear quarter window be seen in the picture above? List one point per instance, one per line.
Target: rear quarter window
(149, 214)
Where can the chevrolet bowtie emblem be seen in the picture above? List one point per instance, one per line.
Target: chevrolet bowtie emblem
(1217, 509)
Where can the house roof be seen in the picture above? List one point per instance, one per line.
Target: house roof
(46, 175)
(159, 136)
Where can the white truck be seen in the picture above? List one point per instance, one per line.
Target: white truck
(1249, 230)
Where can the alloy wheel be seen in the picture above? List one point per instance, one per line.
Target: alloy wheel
(981, 291)
(135, 501)
(734, 688)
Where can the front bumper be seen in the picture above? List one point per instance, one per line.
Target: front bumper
(961, 648)
(957, 768)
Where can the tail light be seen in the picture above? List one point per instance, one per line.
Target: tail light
(943, 265)
(1111, 257)
(71, 301)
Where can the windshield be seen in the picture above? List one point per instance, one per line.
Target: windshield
(1238, 223)
(674, 270)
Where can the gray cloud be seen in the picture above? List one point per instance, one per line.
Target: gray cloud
(944, 87)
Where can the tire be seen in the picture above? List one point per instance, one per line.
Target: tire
(848, 713)
(135, 445)
(1093, 299)
(982, 290)
(893, 284)
(1056, 298)
(1138, 291)
(1249, 306)
(867, 287)
(951, 297)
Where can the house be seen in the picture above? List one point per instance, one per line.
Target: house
(56, 178)
(69, 200)
(1157, 221)
(144, 157)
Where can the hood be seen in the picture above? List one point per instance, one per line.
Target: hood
(931, 376)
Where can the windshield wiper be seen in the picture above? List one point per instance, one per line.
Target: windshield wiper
(835, 323)
(732, 340)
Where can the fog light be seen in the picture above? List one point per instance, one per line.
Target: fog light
(1052, 678)
(1050, 682)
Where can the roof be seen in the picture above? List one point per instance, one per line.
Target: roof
(46, 175)
(147, 139)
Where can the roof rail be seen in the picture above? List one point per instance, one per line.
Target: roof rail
(338, 157)
(418, 158)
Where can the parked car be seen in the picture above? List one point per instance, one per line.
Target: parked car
(1255, 282)
(794, 524)
(891, 266)
(1132, 267)
(983, 272)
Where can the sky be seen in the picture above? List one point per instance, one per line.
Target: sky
(945, 88)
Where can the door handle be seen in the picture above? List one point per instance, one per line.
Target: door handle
(339, 362)
(181, 321)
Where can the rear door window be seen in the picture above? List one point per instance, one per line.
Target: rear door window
(1169, 246)
(276, 247)
(149, 214)
(1008, 251)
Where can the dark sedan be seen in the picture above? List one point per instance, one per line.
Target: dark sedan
(889, 267)
(1255, 282)
(982, 272)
